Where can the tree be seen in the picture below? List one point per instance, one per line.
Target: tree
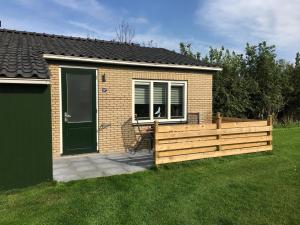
(262, 67)
(255, 84)
(291, 110)
(230, 88)
(124, 32)
(186, 49)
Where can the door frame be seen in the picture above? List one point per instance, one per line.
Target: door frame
(60, 104)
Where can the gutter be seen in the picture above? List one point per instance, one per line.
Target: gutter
(128, 63)
(24, 81)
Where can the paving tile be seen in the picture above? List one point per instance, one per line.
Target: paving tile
(114, 171)
(91, 174)
(105, 166)
(85, 168)
(81, 163)
(60, 165)
(67, 178)
(79, 159)
(97, 165)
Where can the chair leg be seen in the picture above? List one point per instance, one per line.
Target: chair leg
(150, 146)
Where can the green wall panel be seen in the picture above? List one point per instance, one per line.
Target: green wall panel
(25, 135)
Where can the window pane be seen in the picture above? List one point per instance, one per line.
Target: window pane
(176, 102)
(142, 101)
(79, 95)
(160, 100)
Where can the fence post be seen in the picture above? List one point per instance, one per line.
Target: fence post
(219, 126)
(270, 123)
(155, 141)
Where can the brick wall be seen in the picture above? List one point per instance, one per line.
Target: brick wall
(55, 111)
(115, 106)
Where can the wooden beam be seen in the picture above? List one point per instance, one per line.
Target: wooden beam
(180, 158)
(186, 151)
(197, 144)
(155, 141)
(245, 124)
(219, 126)
(184, 127)
(270, 123)
(211, 132)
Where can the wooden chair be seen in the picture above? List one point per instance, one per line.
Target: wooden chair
(143, 135)
(193, 118)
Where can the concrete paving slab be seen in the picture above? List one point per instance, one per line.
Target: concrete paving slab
(78, 167)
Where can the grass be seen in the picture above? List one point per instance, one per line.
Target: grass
(250, 189)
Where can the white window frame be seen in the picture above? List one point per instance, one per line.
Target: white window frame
(170, 83)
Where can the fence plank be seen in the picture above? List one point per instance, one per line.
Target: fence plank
(188, 139)
(184, 127)
(245, 124)
(208, 132)
(244, 145)
(196, 144)
(186, 151)
(180, 158)
(257, 134)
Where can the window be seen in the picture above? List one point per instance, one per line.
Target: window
(142, 101)
(176, 101)
(159, 100)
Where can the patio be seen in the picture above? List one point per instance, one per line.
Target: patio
(85, 166)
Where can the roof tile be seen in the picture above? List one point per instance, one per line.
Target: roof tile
(21, 52)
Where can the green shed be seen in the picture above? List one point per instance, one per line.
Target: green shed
(25, 130)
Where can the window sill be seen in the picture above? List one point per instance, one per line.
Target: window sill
(141, 122)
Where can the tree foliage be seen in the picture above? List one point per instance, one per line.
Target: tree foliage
(253, 84)
(186, 49)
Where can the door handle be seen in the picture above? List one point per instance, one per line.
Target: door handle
(67, 116)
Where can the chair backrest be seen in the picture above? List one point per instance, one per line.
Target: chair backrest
(138, 124)
(193, 118)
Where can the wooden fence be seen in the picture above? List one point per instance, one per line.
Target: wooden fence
(175, 143)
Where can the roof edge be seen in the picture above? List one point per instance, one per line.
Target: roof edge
(128, 63)
(23, 81)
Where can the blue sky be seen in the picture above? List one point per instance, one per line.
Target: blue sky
(203, 23)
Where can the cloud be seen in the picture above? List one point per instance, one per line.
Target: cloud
(93, 32)
(138, 20)
(89, 7)
(243, 21)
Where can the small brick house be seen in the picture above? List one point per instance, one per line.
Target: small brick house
(99, 90)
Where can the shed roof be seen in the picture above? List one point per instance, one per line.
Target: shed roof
(21, 53)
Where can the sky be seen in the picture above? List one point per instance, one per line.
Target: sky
(203, 23)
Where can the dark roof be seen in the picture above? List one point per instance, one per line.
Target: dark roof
(21, 52)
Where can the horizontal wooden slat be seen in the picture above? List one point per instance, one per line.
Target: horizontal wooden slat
(186, 151)
(257, 134)
(234, 119)
(189, 139)
(196, 144)
(245, 124)
(207, 132)
(244, 145)
(184, 127)
(180, 158)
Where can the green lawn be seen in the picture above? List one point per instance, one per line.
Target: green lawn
(250, 189)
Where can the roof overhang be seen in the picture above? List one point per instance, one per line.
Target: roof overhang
(128, 63)
(23, 81)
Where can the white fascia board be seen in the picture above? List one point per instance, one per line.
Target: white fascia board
(128, 63)
(23, 81)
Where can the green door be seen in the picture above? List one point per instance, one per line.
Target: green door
(79, 110)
